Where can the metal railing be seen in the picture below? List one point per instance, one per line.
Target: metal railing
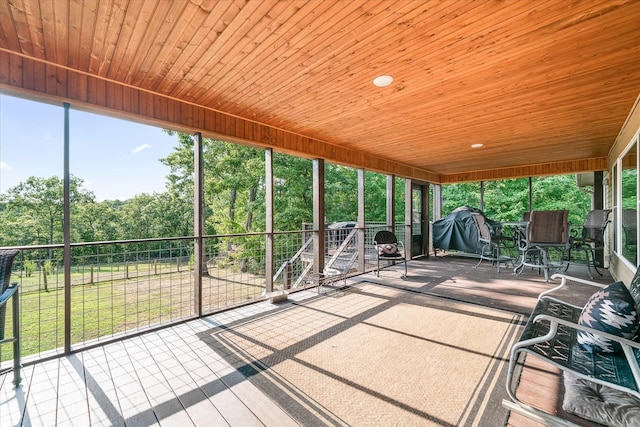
(121, 288)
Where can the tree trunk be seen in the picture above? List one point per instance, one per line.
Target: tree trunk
(252, 198)
(232, 212)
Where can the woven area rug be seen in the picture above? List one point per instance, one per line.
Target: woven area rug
(377, 356)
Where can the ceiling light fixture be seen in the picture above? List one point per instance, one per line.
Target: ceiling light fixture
(383, 81)
(476, 145)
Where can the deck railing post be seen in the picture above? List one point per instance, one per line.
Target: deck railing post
(268, 165)
(360, 242)
(198, 223)
(318, 216)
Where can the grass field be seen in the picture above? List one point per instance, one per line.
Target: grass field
(108, 301)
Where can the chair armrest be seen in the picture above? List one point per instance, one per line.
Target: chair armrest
(565, 280)
(627, 345)
(8, 293)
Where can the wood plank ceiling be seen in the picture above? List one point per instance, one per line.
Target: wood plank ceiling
(535, 82)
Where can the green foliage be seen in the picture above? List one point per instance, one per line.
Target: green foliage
(33, 210)
(47, 267)
(234, 199)
(29, 268)
(628, 190)
(341, 193)
(293, 202)
(507, 200)
(456, 195)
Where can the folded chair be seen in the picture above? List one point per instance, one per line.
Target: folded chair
(547, 230)
(591, 238)
(389, 248)
(10, 291)
(336, 271)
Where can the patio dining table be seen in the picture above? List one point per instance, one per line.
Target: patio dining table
(517, 229)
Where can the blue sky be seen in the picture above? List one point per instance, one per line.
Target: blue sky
(117, 159)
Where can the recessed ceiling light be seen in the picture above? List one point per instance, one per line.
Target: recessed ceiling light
(476, 145)
(382, 81)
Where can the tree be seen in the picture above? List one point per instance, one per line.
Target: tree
(506, 200)
(38, 202)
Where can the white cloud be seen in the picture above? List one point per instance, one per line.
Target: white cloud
(139, 148)
(4, 166)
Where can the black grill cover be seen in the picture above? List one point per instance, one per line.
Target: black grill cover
(458, 231)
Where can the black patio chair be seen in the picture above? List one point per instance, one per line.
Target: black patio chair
(492, 243)
(547, 230)
(389, 248)
(591, 238)
(9, 291)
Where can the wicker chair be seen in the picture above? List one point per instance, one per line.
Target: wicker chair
(8, 291)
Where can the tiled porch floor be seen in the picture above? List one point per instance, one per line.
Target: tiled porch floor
(167, 377)
(171, 378)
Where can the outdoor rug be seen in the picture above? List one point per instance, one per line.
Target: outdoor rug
(376, 356)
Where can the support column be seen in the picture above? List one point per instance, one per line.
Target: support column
(437, 202)
(426, 223)
(268, 166)
(391, 205)
(66, 231)
(198, 223)
(598, 191)
(361, 220)
(530, 194)
(408, 220)
(318, 216)
(597, 202)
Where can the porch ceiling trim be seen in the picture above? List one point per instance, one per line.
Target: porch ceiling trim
(553, 168)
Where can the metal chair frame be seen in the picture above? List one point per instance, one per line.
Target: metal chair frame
(546, 230)
(385, 237)
(491, 244)
(591, 239)
(10, 290)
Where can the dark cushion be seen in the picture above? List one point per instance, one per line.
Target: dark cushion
(613, 310)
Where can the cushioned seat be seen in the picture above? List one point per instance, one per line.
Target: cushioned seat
(598, 403)
(592, 342)
(389, 248)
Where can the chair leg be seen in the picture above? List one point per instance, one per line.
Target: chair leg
(482, 256)
(590, 254)
(17, 347)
